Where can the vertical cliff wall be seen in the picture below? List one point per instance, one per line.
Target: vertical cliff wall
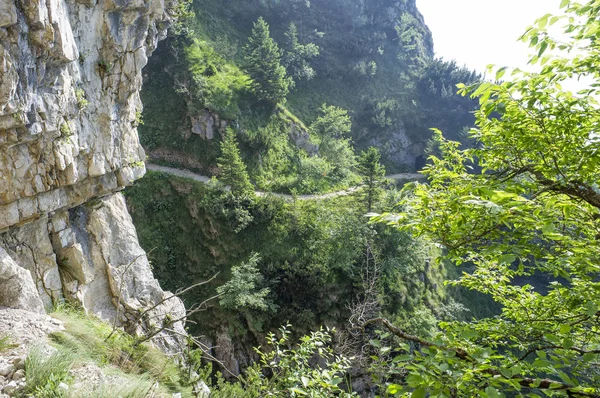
(70, 75)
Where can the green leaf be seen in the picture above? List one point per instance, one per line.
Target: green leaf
(564, 329)
(414, 379)
(507, 259)
(298, 391)
(492, 392)
(591, 308)
(418, 393)
(568, 344)
(543, 48)
(588, 357)
(564, 3)
(500, 73)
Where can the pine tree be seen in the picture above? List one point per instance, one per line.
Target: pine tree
(373, 173)
(232, 168)
(263, 64)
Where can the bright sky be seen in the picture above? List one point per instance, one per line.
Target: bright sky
(481, 32)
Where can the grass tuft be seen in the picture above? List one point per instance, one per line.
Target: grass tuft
(6, 343)
(87, 338)
(44, 371)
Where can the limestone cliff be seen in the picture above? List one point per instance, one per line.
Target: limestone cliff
(70, 75)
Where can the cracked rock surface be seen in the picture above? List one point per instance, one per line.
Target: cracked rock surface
(70, 75)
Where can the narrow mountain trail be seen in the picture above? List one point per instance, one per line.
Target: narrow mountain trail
(204, 179)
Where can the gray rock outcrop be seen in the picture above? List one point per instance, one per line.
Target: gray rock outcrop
(70, 75)
(17, 287)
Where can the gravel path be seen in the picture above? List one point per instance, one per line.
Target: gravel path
(204, 179)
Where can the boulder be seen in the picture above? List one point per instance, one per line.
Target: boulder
(17, 289)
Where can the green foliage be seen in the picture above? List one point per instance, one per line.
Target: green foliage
(45, 370)
(82, 102)
(411, 36)
(526, 220)
(373, 174)
(331, 129)
(5, 343)
(91, 340)
(296, 57)
(312, 257)
(232, 170)
(312, 369)
(262, 61)
(242, 291)
(214, 83)
(334, 122)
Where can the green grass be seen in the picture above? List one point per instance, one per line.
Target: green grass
(44, 371)
(6, 343)
(87, 338)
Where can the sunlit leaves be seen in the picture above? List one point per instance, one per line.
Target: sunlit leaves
(522, 208)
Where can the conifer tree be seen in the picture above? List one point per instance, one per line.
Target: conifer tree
(263, 64)
(373, 173)
(232, 168)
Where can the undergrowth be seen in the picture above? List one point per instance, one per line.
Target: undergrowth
(46, 370)
(142, 365)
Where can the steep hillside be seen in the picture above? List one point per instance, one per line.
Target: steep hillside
(375, 60)
(314, 262)
(359, 73)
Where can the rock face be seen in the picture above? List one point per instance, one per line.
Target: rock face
(70, 75)
(18, 289)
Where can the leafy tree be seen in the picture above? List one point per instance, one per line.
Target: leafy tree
(297, 56)
(334, 122)
(331, 128)
(373, 173)
(528, 222)
(231, 166)
(241, 292)
(263, 63)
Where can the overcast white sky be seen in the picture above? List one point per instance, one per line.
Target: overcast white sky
(481, 32)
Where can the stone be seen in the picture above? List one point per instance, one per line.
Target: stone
(10, 388)
(8, 13)
(64, 229)
(5, 369)
(17, 289)
(202, 390)
(18, 363)
(19, 374)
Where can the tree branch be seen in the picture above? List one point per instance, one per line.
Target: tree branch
(527, 382)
